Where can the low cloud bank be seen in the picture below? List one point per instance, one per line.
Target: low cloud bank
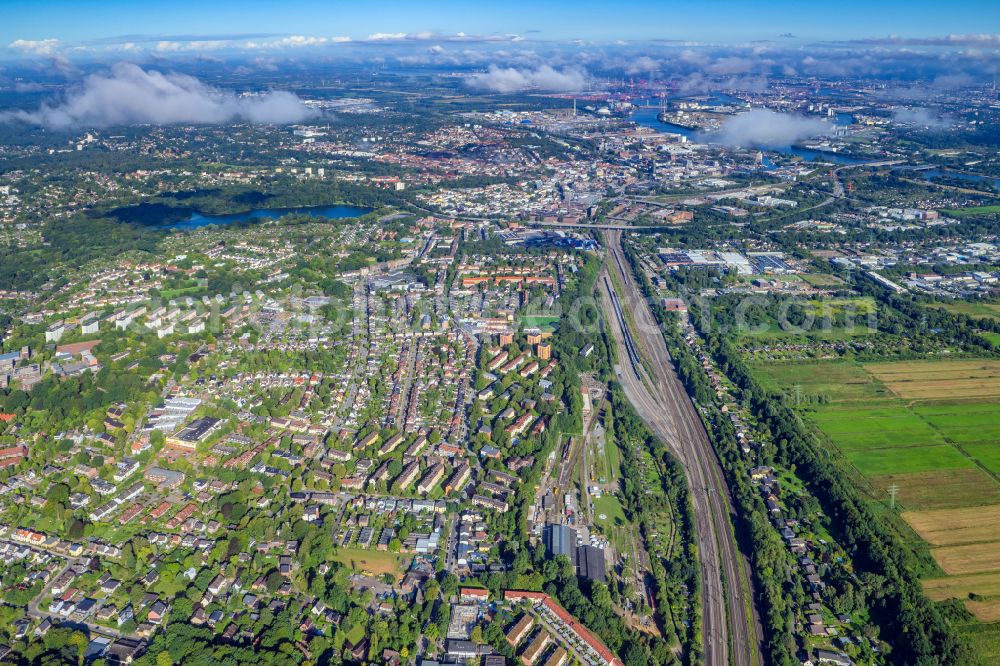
(130, 95)
(766, 129)
(921, 117)
(513, 79)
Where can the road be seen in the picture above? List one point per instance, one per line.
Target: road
(647, 376)
(34, 609)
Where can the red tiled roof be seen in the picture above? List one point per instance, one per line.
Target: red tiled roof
(590, 639)
(77, 347)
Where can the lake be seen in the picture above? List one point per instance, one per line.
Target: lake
(647, 118)
(197, 220)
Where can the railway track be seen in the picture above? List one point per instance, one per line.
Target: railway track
(730, 626)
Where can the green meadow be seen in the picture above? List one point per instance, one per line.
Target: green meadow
(936, 452)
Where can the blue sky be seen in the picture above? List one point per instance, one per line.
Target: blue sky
(81, 22)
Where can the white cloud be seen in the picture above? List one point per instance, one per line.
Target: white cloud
(433, 36)
(982, 39)
(35, 46)
(289, 42)
(167, 46)
(512, 79)
(292, 42)
(922, 118)
(295, 41)
(731, 65)
(386, 36)
(766, 128)
(132, 95)
(643, 65)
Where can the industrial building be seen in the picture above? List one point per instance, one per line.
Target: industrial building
(587, 560)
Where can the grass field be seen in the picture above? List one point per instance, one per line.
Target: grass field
(834, 380)
(856, 428)
(611, 509)
(822, 279)
(983, 642)
(356, 633)
(963, 422)
(875, 462)
(931, 430)
(976, 211)
(820, 316)
(976, 309)
(612, 462)
(993, 338)
(372, 561)
(167, 294)
(986, 454)
(831, 306)
(540, 321)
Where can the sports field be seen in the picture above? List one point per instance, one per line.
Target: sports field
(930, 432)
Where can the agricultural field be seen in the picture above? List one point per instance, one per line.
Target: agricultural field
(939, 489)
(940, 380)
(968, 558)
(953, 527)
(930, 432)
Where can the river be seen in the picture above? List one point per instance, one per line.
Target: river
(931, 174)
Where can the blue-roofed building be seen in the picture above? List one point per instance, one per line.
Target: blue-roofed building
(560, 540)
